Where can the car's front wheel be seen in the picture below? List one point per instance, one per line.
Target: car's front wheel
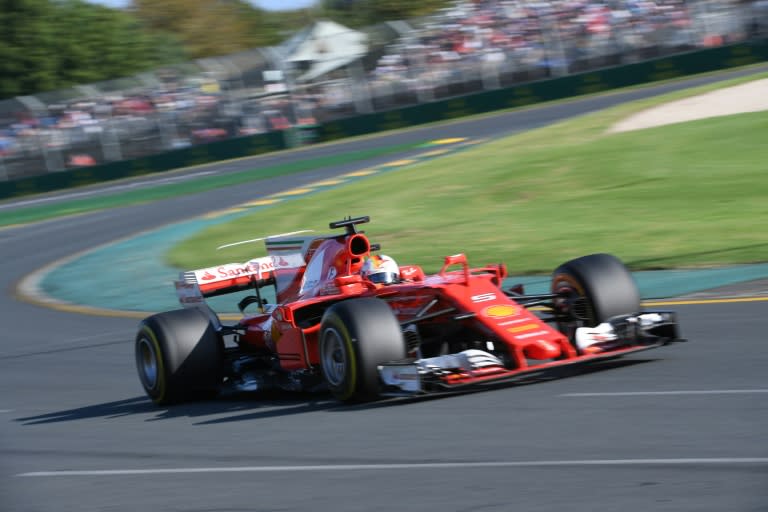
(592, 289)
(357, 335)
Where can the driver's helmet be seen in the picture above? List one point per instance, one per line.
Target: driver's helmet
(381, 269)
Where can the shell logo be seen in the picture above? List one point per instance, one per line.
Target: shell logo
(500, 311)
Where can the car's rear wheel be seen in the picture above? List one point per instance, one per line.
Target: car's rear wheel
(179, 356)
(592, 289)
(357, 335)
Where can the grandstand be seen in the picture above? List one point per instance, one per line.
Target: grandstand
(310, 79)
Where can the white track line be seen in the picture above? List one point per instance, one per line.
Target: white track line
(663, 393)
(380, 467)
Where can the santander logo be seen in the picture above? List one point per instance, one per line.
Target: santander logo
(257, 266)
(234, 271)
(228, 272)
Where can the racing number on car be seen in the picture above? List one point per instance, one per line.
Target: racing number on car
(483, 297)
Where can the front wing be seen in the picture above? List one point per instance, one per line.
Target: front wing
(477, 368)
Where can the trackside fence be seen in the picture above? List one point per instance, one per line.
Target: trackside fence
(517, 95)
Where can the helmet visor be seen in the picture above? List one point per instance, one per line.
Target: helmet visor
(383, 278)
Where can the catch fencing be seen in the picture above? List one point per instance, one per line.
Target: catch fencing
(465, 50)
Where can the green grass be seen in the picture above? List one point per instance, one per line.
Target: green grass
(690, 194)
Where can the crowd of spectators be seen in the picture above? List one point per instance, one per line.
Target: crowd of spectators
(38, 136)
(511, 40)
(94, 127)
(487, 43)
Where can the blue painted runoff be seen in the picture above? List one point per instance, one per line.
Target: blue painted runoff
(129, 275)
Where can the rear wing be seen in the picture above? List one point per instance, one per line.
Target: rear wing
(194, 286)
(287, 255)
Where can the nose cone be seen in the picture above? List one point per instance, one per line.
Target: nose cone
(542, 349)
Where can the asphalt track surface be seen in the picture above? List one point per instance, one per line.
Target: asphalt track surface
(681, 428)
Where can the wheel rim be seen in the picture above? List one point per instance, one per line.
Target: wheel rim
(146, 360)
(334, 357)
(575, 304)
(572, 302)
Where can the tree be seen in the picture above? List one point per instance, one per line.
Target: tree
(46, 45)
(209, 27)
(52, 44)
(27, 62)
(114, 45)
(358, 13)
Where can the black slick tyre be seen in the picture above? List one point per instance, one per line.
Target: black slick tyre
(179, 356)
(594, 288)
(357, 335)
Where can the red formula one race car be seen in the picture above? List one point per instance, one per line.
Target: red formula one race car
(323, 320)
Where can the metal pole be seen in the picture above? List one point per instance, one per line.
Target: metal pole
(278, 61)
(356, 74)
(3, 170)
(36, 107)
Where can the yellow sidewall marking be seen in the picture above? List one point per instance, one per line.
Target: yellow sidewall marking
(161, 385)
(352, 382)
(352, 366)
